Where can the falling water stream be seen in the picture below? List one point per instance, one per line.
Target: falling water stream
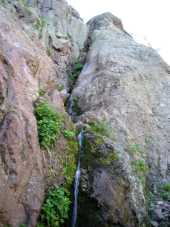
(77, 181)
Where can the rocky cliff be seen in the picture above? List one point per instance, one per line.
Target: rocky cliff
(123, 94)
(29, 78)
(121, 101)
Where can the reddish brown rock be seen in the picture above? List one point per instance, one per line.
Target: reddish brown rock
(24, 69)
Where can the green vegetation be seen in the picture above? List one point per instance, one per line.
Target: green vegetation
(69, 134)
(134, 149)
(23, 3)
(49, 124)
(165, 191)
(94, 144)
(69, 164)
(94, 154)
(140, 166)
(148, 139)
(56, 207)
(69, 171)
(113, 156)
(50, 127)
(49, 51)
(41, 92)
(73, 76)
(75, 107)
(60, 87)
(39, 24)
(166, 187)
(101, 128)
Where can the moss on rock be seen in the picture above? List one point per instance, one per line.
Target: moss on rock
(98, 151)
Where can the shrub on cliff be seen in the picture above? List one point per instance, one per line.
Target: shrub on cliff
(49, 124)
(55, 209)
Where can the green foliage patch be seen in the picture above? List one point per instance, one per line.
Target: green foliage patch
(165, 191)
(94, 144)
(39, 24)
(56, 207)
(134, 149)
(101, 128)
(166, 187)
(69, 134)
(60, 87)
(41, 92)
(73, 76)
(75, 106)
(140, 166)
(49, 124)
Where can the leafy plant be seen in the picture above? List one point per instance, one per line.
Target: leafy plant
(69, 172)
(140, 166)
(166, 187)
(165, 191)
(77, 68)
(141, 169)
(69, 134)
(49, 124)
(41, 92)
(22, 225)
(69, 163)
(60, 87)
(55, 209)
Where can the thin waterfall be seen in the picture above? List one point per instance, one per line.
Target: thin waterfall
(77, 180)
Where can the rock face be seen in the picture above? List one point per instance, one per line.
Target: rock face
(25, 71)
(59, 27)
(126, 85)
(121, 100)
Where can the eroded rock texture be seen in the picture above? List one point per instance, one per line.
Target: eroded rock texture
(58, 25)
(121, 99)
(128, 86)
(25, 170)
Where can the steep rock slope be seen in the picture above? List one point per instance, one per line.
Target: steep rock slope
(124, 91)
(28, 76)
(121, 100)
(59, 27)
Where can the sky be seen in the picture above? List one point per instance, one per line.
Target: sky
(148, 21)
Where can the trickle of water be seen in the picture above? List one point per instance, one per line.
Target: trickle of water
(77, 181)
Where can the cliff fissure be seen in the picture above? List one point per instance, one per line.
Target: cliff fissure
(56, 70)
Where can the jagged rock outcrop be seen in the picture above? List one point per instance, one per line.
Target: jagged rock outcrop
(26, 171)
(126, 85)
(59, 27)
